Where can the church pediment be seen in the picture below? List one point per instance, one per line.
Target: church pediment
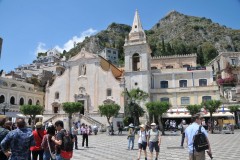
(83, 54)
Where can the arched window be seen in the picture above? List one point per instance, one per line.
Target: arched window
(30, 89)
(4, 84)
(56, 95)
(164, 99)
(109, 92)
(2, 99)
(30, 101)
(13, 85)
(12, 100)
(186, 65)
(38, 102)
(202, 82)
(136, 62)
(168, 67)
(164, 84)
(206, 98)
(183, 83)
(23, 87)
(21, 101)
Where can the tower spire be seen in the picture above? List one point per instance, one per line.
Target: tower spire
(137, 33)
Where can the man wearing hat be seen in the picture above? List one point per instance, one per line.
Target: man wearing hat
(38, 137)
(154, 140)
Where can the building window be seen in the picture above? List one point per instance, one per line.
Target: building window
(12, 100)
(2, 99)
(168, 67)
(109, 92)
(30, 101)
(233, 61)
(206, 98)
(13, 85)
(57, 95)
(37, 103)
(21, 102)
(164, 99)
(4, 84)
(183, 83)
(109, 51)
(164, 84)
(202, 82)
(114, 52)
(185, 100)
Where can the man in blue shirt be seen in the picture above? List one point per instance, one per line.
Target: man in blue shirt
(189, 134)
(19, 141)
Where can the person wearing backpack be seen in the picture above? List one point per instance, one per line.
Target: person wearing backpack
(63, 141)
(142, 141)
(154, 140)
(192, 134)
(3, 133)
(38, 134)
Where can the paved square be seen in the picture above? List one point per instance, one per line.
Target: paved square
(104, 147)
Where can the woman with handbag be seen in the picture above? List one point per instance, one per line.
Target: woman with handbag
(48, 145)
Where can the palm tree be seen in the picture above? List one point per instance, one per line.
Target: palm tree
(157, 109)
(212, 106)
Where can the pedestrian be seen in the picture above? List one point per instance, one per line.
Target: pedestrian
(154, 140)
(190, 132)
(19, 141)
(120, 129)
(183, 128)
(85, 132)
(75, 133)
(38, 137)
(131, 136)
(58, 140)
(3, 133)
(167, 124)
(48, 145)
(142, 141)
(8, 125)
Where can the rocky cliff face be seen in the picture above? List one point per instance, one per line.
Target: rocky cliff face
(175, 33)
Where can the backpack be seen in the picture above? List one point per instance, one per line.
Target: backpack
(200, 141)
(67, 141)
(67, 145)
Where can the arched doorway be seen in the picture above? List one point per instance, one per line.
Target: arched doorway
(30, 101)
(2, 99)
(38, 102)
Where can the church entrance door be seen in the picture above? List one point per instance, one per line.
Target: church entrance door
(83, 104)
(55, 109)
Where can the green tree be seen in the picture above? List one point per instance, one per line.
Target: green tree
(234, 109)
(134, 97)
(109, 110)
(32, 111)
(194, 109)
(70, 108)
(157, 109)
(211, 106)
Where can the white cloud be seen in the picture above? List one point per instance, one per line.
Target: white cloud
(40, 48)
(69, 44)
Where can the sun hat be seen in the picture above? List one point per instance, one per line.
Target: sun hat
(153, 124)
(39, 125)
(131, 125)
(142, 126)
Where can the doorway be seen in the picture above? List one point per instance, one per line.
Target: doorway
(83, 103)
(55, 109)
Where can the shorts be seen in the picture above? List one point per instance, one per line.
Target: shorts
(197, 156)
(154, 145)
(142, 145)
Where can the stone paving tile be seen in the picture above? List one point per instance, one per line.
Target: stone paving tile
(105, 147)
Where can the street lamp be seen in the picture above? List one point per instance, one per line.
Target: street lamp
(5, 107)
(132, 104)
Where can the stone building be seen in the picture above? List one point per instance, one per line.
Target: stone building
(110, 54)
(15, 93)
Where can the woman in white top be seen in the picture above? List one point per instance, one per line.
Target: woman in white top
(142, 141)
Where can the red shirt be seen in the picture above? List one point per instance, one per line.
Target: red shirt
(38, 137)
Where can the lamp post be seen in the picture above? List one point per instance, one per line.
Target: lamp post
(5, 107)
(132, 105)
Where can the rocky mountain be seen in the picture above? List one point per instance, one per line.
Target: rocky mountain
(175, 33)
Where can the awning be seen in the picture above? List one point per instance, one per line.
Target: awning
(187, 115)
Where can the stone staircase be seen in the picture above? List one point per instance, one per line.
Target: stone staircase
(91, 120)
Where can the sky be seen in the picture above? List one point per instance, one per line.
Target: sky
(28, 27)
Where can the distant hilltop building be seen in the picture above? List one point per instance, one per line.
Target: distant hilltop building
(110, 54)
